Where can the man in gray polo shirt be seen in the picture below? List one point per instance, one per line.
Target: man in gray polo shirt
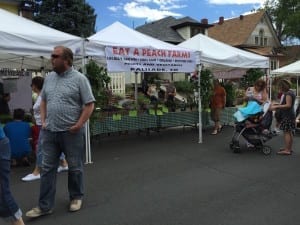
(67, 103)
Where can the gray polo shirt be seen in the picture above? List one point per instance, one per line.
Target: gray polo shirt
(65, 95)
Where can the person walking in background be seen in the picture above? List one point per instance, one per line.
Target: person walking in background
(67, 103)
(287, 116)
(217, 103)
(9, 210)
(37, 85)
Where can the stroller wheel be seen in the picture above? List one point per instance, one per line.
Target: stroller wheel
(236, 149)
(266, 150)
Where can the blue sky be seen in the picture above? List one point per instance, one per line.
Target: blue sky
(134, 13)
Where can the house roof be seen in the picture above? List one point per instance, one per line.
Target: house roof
(165, 29)
(291, 53)
(235, 31)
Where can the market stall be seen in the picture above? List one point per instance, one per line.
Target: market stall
(218, 56)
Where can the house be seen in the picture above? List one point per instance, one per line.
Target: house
(174, 30)
(252, 32)
(23, 8)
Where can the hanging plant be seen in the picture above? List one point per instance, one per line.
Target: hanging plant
(99, 81)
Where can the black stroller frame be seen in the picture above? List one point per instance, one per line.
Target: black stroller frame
(253, 134)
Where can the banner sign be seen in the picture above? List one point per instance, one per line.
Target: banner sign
(131, 59)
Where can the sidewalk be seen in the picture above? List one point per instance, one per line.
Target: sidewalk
(168, 178)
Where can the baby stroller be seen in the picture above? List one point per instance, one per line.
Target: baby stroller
(255, 129)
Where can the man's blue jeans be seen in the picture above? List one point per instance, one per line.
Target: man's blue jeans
(73, 146)
(8, 207)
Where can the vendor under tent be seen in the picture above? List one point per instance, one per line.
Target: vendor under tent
(218, 56)
(123, 49)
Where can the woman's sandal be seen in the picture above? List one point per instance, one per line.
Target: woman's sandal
(214, 132)
(282, 149)
(220, 128)
(284, 152)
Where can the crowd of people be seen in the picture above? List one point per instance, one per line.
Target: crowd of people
(255, 97)
(64, 103)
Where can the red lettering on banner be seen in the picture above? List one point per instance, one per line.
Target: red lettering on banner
(136, 52)
(120, 51)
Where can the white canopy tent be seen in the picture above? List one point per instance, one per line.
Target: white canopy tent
(119, 35)
(292, 69)
(215, 54)
(219, 56)
(25, 44)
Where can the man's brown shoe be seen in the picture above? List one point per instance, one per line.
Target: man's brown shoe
(75, 205)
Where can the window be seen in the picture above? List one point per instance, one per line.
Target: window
(265, 41)
(261, 39)
(273, 64)
(256, 40)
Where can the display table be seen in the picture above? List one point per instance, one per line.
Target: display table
(117, 122)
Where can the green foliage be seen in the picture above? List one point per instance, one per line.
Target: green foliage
(285, 14)
(71, 16)
(206, 87)
(184, 86)
(230, 93)
(99, 81)
(250, 77)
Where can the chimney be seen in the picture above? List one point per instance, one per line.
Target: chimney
(204, 21)
(241, 17)
(221, 20)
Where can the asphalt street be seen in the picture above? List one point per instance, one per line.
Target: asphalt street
(168, 178)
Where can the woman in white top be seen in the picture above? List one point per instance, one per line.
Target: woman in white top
(37, 85)
(258, 92)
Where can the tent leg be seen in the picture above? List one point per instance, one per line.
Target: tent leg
(199, 103)
(88, 155)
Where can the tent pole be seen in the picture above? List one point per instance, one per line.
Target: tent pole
(297, 86)
(135, 88)
(88, 154)
(199, 103)
(269, 79)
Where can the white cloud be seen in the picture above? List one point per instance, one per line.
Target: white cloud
(114, 8)
(149, 9)
(236, 2)
(135, 10)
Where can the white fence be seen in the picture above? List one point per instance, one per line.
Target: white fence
(117, 83)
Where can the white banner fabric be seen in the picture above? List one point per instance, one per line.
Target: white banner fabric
(131, 59)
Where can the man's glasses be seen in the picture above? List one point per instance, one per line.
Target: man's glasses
(54, 56)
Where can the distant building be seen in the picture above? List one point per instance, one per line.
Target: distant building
(253, 32)
(23, 8)
(174, 30)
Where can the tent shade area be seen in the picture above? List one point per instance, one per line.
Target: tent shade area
(291, 69)
(126, 50)
(218, 56)
(27, 44)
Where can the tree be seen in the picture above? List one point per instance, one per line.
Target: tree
(285, 15)
(71, 16)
